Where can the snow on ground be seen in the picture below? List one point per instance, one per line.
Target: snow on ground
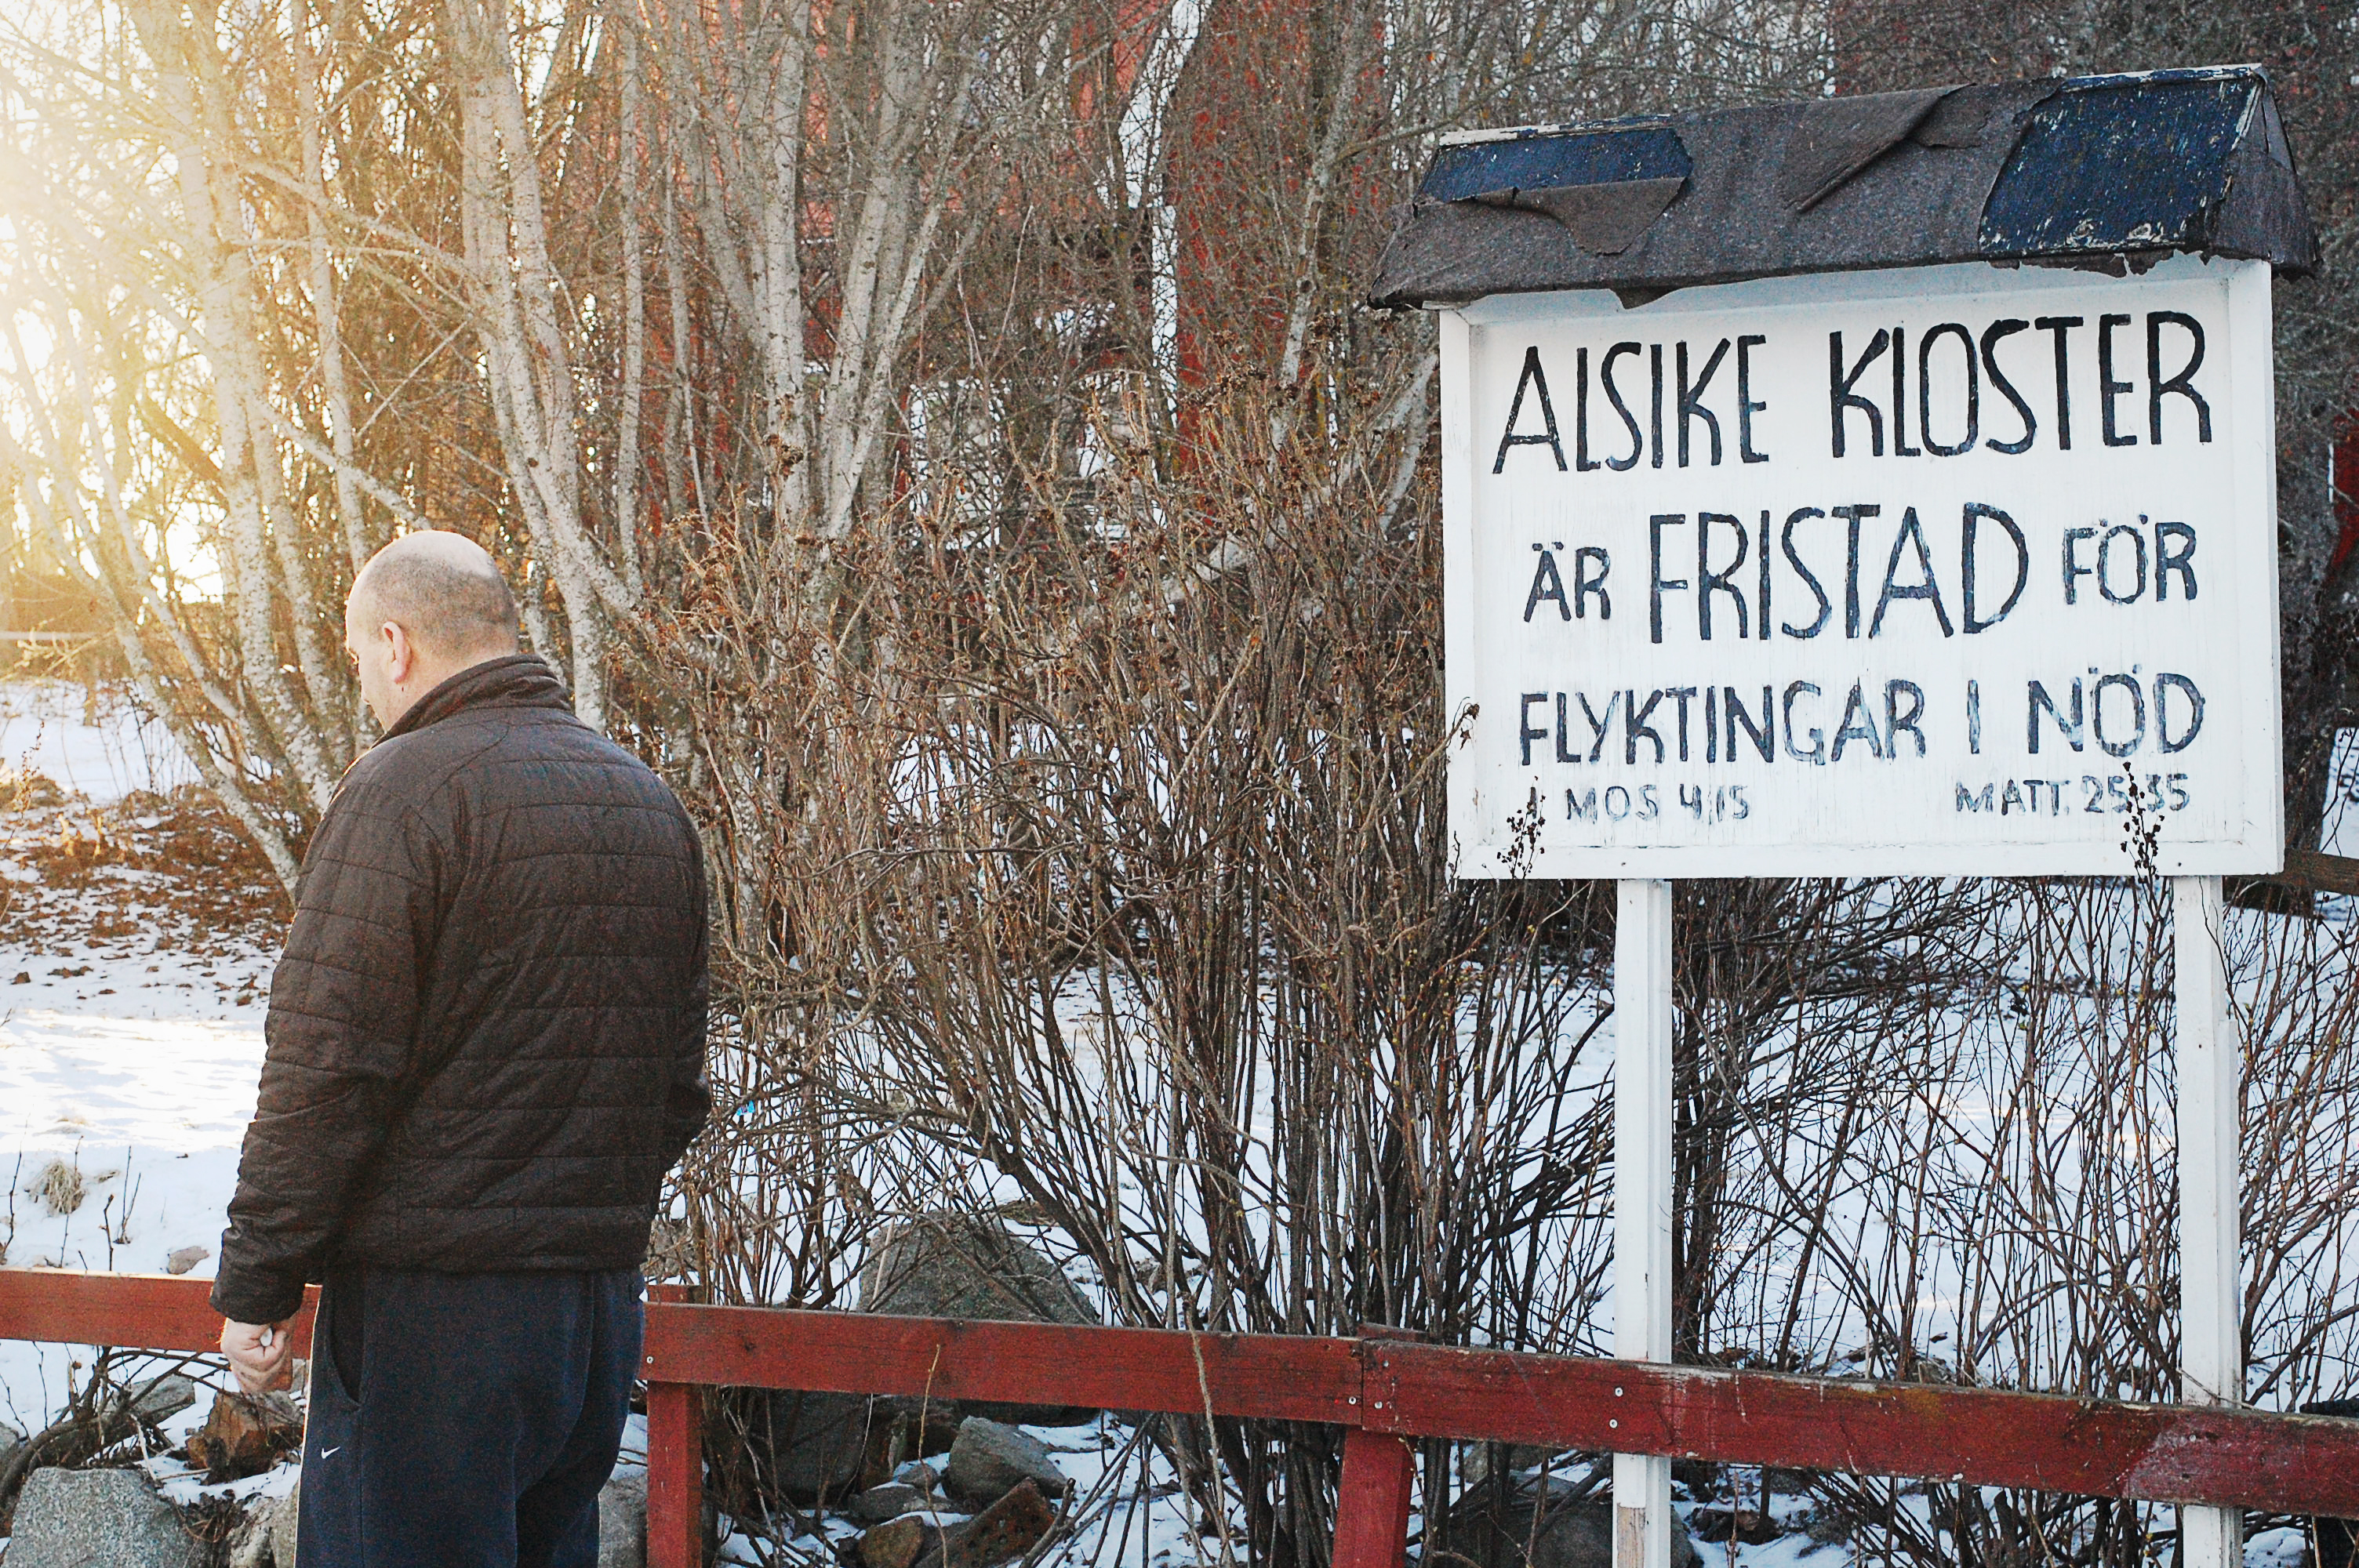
(135, 962)
(1127, 1507)
(143, 1101)
(86, 741)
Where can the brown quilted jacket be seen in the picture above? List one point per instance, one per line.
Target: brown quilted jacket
(487, 1036)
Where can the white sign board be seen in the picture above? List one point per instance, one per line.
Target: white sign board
(1952, 570)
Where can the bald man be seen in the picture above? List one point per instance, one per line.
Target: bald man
(486, 1047)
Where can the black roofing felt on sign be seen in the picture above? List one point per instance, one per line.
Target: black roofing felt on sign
(1608, 152)
(2108, 171)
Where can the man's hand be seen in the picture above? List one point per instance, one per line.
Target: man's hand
(259, 1352)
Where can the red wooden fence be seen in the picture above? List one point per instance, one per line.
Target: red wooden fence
(1385, 1391)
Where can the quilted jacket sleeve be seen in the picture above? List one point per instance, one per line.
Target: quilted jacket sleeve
(691, 1105)
(344, 1008)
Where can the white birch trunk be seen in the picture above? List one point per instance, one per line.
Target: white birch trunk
(225, 320)
(514, 289)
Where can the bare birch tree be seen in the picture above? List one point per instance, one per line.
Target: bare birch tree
(138, 361)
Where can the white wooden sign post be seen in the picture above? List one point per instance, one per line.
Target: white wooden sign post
(1934, 571)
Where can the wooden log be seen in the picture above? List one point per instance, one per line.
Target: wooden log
(2319, 873)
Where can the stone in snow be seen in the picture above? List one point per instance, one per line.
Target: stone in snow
(967, 1266)
(163, 1397)
(72, 1519)
(950, 1264)
(180, 1259)
(250, 1546)
(1571, 1534)
(1751, 1526)
(898, 1543)
(623, 1521)
(989, 1460)
(817, 1446)
(282, 1526)
(890, 1500)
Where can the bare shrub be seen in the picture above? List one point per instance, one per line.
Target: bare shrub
(949, 444)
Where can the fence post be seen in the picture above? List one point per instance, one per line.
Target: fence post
(2211, 1102)
(1642, 1195)
(1372, 1501)
(674, 1463)
(1372, 1505)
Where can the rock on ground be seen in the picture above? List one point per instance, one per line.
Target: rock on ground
(1571, 1535)
(898, 1543)
(160, 1397)
(1002, 1532)
(11, 1439)
(890, 1500)
(1751, 1526)
(623, 1522)
(250, 1547)
(73, 1519)
(989, 1460)
(970, 1266)
(1477, 1462)
(282, 1526)
(949, 1264)
(814, 1446)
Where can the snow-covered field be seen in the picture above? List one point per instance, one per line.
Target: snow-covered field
(132, 990)
(136, 1080)
(86, 742)
(135, 945)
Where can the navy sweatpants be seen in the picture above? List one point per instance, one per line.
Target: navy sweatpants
(465, 1420)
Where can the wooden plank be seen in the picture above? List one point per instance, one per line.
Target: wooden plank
(2180, 1453)
(1644, 1197)
(146, 1312)
(2211, 1103)
(1277, 1377)
(675, 1476)
(2219, 1457)
(1372, 1501)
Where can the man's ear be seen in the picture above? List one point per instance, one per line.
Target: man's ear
(401, 653)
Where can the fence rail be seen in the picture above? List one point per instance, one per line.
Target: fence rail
(1385, 1390)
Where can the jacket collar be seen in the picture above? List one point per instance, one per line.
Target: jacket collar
(513, 680)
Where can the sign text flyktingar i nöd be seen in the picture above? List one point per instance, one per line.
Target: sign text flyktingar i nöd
(1949, 570)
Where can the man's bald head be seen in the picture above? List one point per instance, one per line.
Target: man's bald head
(426, 607)
(444, 590)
